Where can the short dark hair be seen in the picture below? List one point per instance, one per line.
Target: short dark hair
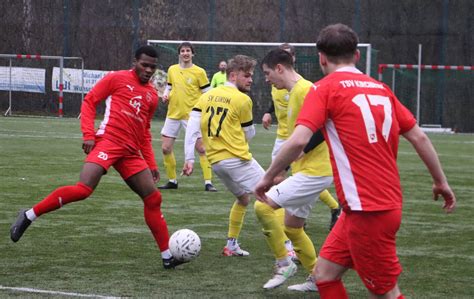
(338, 42)
(278, 56)
(187, 45)
(147, 50)
(240, 63)
(289, 48)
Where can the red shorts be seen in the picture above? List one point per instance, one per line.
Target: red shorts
(126, 162)
(366, 241)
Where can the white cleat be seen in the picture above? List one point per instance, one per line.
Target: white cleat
(308, 286)
(282, 273)
(234, 252)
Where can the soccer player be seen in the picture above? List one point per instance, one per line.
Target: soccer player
(361, 120)
(186, 83)
(123, 141)
(312, 172)
(224, 116)
(279, 106)
(220, 77)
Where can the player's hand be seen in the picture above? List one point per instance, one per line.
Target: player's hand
(87, 146)
(165, 99)
(187, 168)
(156, 175)
(267, 120)
(262, 187)
(449, 199)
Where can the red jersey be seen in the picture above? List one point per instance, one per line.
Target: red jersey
(361, 120)
(130, 106)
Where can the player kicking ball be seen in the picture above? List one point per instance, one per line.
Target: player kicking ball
(123, 141)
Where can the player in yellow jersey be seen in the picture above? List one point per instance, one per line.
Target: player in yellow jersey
(220, 78)
(224, 117)
(311, 172)
(186, 83)
(279, 106)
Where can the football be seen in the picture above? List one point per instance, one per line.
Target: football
(185, 245)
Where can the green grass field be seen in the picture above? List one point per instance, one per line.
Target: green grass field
(101, 246)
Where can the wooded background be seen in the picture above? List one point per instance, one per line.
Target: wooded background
(106, 32)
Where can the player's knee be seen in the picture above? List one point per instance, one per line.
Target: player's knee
(153, 201)
(167, 149)
(83, 191)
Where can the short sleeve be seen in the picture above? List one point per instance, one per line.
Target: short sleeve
(246, 115)
(314, 112)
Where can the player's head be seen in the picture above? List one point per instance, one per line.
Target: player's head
(337, 44)
(222, 66)
(275, 64)
(185, 51)
(240, 71)
(290, 49)
(145, 62)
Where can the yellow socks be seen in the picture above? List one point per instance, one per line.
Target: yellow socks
(272, 229)
(170, 166)
(206, 167)
(327, 198)
(303, 246)
(236, 220)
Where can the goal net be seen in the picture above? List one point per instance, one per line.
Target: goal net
(209, 54)
(445, 93)
(33, 85)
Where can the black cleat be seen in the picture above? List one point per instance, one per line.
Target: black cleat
(169, 185)
(335, 213)
(210, 188)
(18, 228)
(171, 263)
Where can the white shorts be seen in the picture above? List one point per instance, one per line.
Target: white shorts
(276, 147)
(298, 193)
(172, 127)
(239, 176)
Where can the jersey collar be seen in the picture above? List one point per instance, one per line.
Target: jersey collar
(349, 69)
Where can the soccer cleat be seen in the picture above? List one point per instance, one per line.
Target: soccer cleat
(171, 263)
(234, 252)
(169, 185)
(18, 228)
(308, 286)
(335, 213)
(293, 256)
(281, 274)
(210, 188)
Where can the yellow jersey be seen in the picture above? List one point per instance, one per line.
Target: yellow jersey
(186, 85)
(315, 162)
(224, 112)
(280, 99)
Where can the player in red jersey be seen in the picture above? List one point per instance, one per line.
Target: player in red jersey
(361, 120)
(123, 141)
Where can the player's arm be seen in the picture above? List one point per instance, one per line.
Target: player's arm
(267, 116)
(427, 153)
(97, 94)
(289, 152)
(193, 132)
(203, 81)
(166, 93)
(147, 148)
(246, 119)
(214, 81)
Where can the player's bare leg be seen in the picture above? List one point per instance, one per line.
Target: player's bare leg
(328, 277)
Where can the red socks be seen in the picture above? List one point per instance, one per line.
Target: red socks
(332, 290)
(62, 196)
(155, 220)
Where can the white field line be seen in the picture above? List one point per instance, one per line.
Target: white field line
(31, 290)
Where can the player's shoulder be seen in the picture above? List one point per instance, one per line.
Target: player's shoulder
(173, 68)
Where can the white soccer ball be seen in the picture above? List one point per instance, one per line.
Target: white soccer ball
(185, 245)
